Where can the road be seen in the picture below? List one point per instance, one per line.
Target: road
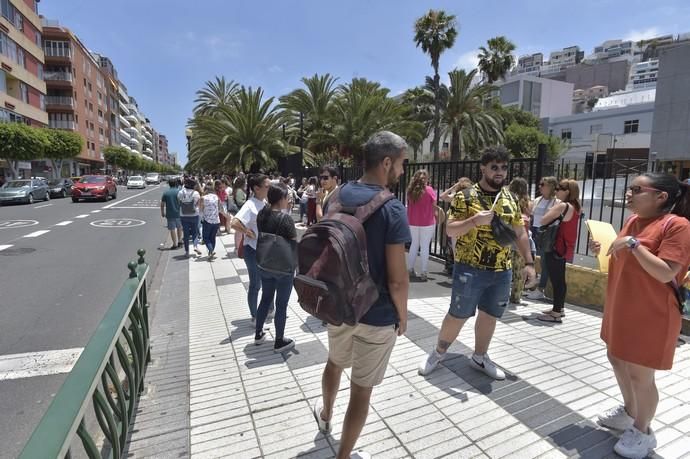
(60, 271)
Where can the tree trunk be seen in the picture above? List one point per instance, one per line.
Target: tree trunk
(437, 115)
(13, 168)
(455, 144)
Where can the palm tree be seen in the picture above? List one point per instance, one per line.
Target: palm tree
(361, 108)
(497, 60)
(315, 103)
(435, 32)
(246, 131)
(420, 102)
(214, 95)
(472, 124)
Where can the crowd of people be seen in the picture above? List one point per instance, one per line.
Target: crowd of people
(495, 234)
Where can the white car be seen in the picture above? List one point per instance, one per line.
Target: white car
(136, 181)
(152, 178)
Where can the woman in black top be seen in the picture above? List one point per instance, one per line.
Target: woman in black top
(273, 219)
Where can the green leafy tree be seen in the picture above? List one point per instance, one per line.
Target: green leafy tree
(420, 103)
(471, 123)
(19, 142)
(215, 94)
(496, 60)
(247, 131)
(523, 141)
(512, 115)
(63, 145)
(435, 32)
(117, 156)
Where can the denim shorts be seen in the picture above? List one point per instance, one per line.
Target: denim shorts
(479, 288)
(174, 223)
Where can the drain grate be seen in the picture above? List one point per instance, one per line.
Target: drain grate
(12, 252)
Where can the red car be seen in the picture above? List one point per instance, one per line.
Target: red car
(94, 187)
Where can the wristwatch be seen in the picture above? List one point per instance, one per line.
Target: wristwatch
(632, 243)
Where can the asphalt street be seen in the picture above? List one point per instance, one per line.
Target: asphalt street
(61, 265)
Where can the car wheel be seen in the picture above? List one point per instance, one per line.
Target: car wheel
(75, 200)
(30, 199)
(63, 194)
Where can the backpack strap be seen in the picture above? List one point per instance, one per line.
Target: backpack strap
(367, 210)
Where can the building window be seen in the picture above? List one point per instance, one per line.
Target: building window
(631, 126)
(24, 90)
(595, 128)
(566, 134)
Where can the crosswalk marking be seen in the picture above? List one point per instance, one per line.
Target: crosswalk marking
(37, 233)
(3, 247)
(95, 211)
(30, 364)
(65, 223)
(82, 216)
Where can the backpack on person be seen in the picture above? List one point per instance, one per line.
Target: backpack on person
(333, 282)
(187, 203)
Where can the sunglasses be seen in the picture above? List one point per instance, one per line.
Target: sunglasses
(496, 168)
(637, 189)
(562, 188)
(325, 177)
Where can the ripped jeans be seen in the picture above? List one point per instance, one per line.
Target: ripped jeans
(479, 288)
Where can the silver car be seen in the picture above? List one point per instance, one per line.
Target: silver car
(26, 190)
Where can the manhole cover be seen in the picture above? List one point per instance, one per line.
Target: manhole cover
(16, 251)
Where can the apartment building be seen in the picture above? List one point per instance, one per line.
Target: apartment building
(77, 96)
(644, 74)
(163, 154)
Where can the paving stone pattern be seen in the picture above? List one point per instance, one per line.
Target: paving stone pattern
(245, 401)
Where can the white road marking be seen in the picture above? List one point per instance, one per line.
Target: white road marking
(65, 223)
(3, 247)
(43, 205)
(135, 207)
(127, 199)
(82, 216)
(37, 233)
(31, 364)
(95, 211)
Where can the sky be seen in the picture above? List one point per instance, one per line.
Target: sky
(165, 50)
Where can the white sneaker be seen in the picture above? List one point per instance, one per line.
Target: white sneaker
(324, 426)
(635, 444)
(487, 366)
(430, 362)
(616, 418)
(535, 294)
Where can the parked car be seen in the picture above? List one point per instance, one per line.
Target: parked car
(153, 178)
(26, 190)
(94, 187)
(136, 181)
(75, 179)
(60, 188)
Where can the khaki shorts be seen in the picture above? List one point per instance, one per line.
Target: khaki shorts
(365, 348)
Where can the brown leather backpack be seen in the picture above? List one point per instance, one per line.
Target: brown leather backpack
(333, 282)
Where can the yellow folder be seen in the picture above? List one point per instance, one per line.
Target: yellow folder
(604, 234)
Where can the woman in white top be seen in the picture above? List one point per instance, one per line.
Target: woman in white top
(189, 214)
(539, 207)
(245, 223)
(210, 218)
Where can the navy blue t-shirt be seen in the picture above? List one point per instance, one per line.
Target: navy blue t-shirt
(387, 226)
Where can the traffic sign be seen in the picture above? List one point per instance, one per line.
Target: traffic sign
(117, 223)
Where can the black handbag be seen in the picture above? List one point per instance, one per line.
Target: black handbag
(276, 254)
(547, 234)
(503, 233)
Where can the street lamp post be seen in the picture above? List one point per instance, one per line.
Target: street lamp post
(188, 135)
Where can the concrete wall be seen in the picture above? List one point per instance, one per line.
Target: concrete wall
(614, 75)
(671, 129)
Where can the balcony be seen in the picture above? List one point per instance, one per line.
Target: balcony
(131, 118)
(60, 101)
(123, 121)
(124, 135)
(62, 124)
(61, 54)
(148, 142)
(57, 76)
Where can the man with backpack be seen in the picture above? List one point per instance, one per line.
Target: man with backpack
(366, 345)
(486, 220)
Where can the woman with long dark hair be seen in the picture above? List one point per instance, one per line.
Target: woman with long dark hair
(275, 286)
(642, 316)
(209, 207)
(311, 190)
(540, 206)
(421, 205)
(567, 210)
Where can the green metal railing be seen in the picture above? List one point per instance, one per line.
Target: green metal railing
(105, 383)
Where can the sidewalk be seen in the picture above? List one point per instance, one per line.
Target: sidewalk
(245, 401)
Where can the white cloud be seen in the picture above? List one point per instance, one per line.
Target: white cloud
(644, 34)
(275, 69)
(467, 61)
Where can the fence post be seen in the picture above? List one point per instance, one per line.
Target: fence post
(541, 159)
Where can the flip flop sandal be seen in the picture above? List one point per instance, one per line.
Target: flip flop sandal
(549, 318)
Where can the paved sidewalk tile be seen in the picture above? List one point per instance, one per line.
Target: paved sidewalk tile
(246, 401)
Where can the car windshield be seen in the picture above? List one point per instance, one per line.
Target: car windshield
(55, 182)
(152, 174)
(18, 184)
(92, 179)
(134, 178)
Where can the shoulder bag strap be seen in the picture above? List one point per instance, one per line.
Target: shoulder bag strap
(367, 210)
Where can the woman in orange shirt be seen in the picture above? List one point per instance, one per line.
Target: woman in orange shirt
(642, 314)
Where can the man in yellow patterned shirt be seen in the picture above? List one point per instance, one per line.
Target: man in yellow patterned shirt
(482, 273)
